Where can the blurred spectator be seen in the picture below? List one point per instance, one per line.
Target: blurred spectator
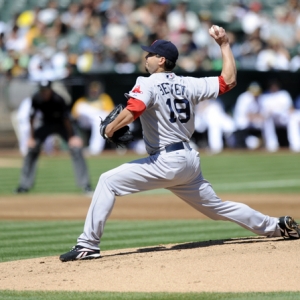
(91, 39)
(253, 18)
(15, 40)
(20, 120)
(279, 27)
(211, 117)
(295, 61)
(55, 120)
(97, 62)
(247, 117)
(181, 19)
(3, 27)
(49, 64)
(57, 34)
(116, 31)
(2, 43)
(38, 37)
(293, 9)
(186, 49)
(75, 18)
(182, 23)
(15, 64)
(201, 36)
(21, 124)
(48, 14)
(237, 11)
(85, 61)
(160, 29)
(28, 18)
(143, 21)
(88, 112)
(123, 64)
(273, 57)
(250, 48)
(293, 128)
(33, 35)
(276, 106)
(235, 46)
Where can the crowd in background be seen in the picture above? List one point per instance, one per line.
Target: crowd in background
(267, 119)
(96, 36)
(53, 42)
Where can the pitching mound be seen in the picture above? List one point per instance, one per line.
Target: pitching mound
(237, 265)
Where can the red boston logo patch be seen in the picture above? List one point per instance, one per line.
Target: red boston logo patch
(137, 89)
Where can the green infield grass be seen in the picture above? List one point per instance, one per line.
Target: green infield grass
(47, 238)
(232, 172)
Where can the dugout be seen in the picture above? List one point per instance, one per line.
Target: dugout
(118, 84)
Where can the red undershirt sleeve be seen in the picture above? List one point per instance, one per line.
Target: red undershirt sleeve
(137, 107)
(223, 87)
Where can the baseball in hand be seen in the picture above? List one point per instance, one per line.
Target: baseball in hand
(215, 28)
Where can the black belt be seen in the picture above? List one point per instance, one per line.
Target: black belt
(174, 147)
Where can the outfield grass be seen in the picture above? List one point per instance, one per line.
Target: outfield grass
(232, 172)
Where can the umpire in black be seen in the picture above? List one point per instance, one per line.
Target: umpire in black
(55, 120)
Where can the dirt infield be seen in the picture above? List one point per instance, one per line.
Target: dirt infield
(134, 207)
(236, 265)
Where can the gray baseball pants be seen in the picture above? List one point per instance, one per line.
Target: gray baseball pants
(180, 172)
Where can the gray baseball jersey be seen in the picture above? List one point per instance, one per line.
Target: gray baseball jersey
(170, 99)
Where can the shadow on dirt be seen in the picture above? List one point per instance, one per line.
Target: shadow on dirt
(193, 245)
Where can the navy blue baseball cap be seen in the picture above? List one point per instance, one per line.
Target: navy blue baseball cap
(163, 48)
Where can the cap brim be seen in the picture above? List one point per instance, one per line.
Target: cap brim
(147, 49)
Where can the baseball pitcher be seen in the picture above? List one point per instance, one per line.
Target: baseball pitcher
(166, 104)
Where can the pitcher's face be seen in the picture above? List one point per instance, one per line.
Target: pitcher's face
(153, 62)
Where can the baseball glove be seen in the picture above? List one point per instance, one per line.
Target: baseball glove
(122, 136)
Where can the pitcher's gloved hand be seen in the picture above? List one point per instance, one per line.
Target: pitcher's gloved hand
(122, 136)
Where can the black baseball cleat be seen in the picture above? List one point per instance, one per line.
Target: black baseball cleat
(21, 190)
(289, 228)
(79, 253)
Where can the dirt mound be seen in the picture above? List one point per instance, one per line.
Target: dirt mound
(235, 265)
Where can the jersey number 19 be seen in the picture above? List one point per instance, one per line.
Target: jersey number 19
(182, 107)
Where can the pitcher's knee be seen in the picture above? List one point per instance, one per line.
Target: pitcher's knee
(119, 181)
(105, 178)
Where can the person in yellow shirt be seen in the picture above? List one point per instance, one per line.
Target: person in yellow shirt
(88, 112)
